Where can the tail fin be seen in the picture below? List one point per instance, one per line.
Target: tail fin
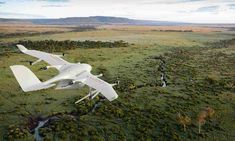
(27, 79)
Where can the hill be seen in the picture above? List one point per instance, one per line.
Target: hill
(93, 20)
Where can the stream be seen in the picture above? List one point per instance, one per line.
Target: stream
(37, 137)
(97, 104)
(163, 78)
(41, 123)
(162, 70)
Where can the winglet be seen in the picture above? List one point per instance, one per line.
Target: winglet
(22, 48)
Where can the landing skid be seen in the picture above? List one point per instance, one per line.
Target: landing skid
(91, 95)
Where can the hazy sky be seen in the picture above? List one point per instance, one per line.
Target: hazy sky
(198, 11)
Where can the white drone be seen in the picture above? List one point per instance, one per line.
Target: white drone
(71, 76)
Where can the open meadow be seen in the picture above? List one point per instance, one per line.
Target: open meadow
(174, 83)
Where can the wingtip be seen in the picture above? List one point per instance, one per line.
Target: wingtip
(113, 98)
(21, 48)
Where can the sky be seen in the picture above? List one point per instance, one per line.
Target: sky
(192, 11)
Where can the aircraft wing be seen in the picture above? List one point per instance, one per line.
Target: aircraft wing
(51, 59)
(101, 86)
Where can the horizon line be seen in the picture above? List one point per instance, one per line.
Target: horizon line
(44, 18)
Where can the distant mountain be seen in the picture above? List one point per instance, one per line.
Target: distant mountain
(94, 20)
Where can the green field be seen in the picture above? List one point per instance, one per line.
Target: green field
(198, 73)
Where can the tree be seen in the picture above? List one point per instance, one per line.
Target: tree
(210, 112)
(201, 120)
(183, 120)
(207, 112)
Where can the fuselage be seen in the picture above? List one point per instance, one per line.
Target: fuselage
(69, 71)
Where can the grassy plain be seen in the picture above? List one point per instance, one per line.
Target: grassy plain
(24, 28)
(198, 75)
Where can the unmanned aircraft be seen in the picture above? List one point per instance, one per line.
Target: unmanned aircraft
(71, 76)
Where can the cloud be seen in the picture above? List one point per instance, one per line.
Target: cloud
(54, 0)
(53, 5)
(231, 6)
(208, 9)
(2, 2)
(168, 1)
(19, 15)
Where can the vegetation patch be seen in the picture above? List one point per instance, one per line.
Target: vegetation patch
(59, 46)
(35, 33)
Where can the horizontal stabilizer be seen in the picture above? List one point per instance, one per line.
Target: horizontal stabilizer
(27, 79)
(22, 48)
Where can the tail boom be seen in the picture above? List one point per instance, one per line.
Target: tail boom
(27, 80)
